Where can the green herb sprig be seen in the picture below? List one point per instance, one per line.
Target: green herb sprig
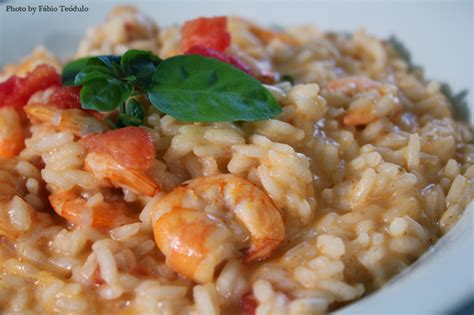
(188, 87)
(109, 82)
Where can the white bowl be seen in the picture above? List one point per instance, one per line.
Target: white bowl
(440, 38)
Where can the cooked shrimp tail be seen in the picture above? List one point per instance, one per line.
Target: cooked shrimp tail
(76, 121)
(98, 214)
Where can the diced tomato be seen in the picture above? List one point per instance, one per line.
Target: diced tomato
(7, 88)
(212, 53)
(16, 91)
(131, 147)
(66, 97)
(248, 304)
(207, 32)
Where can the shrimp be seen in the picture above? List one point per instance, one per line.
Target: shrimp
(105, 167)
(362, 113)
(11, 185)
(195, 236)
(357, 116)
(12, 137)
(352, 85)
(101, 215)
(76, 121)
(122, 157)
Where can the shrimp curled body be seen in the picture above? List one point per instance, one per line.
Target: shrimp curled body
(105, 167)
(75, 121)
(11, 133)
(193, 224)
(101, 215)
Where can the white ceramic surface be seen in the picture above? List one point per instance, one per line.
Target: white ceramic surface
(439, 35)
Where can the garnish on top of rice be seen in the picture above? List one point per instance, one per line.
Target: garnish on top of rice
(221, 167)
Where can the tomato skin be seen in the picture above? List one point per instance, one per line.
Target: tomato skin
(131, 147)
(207, 32)
(212, 53)
(7, 88)
(16, 91)
(66, 97)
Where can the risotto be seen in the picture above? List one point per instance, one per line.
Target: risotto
(220, 168)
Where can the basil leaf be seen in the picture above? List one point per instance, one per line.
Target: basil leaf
(142, 64)
(134, 108)
(130, 78)
(91, 73)
(195, 88)
(117, 69)
(72, 68)
(105, 94)
(129, 120)
(106, 60)
(132, 114)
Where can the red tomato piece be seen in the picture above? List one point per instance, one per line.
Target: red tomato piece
(16, 91)
(207, 32)
(248, 304)
(212, 53)
(66, 97)
(7, 88)
(131, 147)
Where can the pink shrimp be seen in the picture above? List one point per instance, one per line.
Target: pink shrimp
(77, 210)
(195, 242)
(12, 136)
(122, 157)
